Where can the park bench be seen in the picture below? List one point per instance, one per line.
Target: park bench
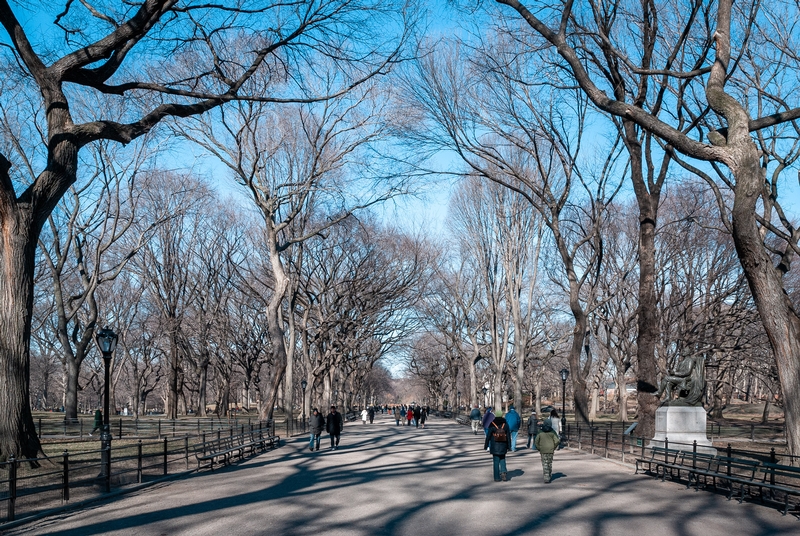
(660, 458)
(224, 449)
(726, 473)
(779, 480)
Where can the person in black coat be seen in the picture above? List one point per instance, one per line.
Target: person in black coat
(333, 425)
(497, 444)
(317, 424)
(417, 415)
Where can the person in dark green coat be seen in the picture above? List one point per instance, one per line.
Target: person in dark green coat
(546, 442)
(98, 421)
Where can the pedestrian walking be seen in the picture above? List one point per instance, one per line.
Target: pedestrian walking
(98, 421)
(317, 425)
(409, 416)
(397, 416)
(364, 415)
(488, 417)
(371, 414)
(546, 442)
(423, 416)
(496, 442)
(514, 421)
(555, 423)
(417, 414)
(475, 419)
(334, 425)
(533, 428)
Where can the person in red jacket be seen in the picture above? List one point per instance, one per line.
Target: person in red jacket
(409, 416)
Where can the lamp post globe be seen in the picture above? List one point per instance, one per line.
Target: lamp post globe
(106, 341)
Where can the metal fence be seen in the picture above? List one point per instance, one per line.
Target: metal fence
(122, 427)
(610, 441)
(31, 486)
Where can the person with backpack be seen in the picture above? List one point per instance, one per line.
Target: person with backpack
(513, 420)
(475, 419)
(496, 443)
(533, 428)
(546, 442)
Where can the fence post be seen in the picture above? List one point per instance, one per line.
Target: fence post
(40, 427)
(120, 427)
(159, 428)
(139, 462)
(772, 459)
(166, 449)
(65, 478)
(12, 486)
(186, 449)
(607, 432)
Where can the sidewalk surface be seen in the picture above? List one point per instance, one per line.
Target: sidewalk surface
(437, 481)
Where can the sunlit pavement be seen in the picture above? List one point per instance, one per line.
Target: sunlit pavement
(400, 480)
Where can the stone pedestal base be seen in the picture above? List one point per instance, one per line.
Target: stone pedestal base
(681, 426)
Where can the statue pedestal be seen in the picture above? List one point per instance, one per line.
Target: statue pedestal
(681, 426)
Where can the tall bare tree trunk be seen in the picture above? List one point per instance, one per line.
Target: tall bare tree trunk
(17, 251)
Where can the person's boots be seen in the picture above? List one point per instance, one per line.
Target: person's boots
(503, 477)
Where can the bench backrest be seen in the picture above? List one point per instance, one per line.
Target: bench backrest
(736, 466)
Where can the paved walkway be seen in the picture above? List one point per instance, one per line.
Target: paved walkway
(388, 480)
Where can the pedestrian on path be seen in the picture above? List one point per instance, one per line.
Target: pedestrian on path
(533, 428)
(371, 414)
(397, 416)
(513, 420)
(364, 415)
(546, 442)
(417, 414)
(496, 443)
(423, 416)
(409, 416)
(334, 425)
(488, 417)
(475, 419)
(317, 424)
(98, 421)
(555, 423)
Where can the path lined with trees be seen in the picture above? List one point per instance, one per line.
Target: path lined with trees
(386, 479)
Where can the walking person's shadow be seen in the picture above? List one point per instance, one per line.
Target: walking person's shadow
(515, 473)
(556, 476)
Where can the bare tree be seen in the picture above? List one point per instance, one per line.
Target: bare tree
(715, 83)
(190, 66)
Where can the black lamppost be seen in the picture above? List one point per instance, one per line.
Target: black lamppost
(485, 390)
(564, 375)
(106, 341)
(350, 400)
(303, 385)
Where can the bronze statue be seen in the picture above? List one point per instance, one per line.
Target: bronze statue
(687, 380)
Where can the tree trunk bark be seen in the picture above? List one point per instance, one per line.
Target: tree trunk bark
(172, 382)
(17, 252)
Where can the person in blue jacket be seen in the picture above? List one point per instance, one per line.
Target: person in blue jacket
(514, 421)
(488, 417)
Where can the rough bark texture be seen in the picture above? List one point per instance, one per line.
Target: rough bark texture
(18, 436)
